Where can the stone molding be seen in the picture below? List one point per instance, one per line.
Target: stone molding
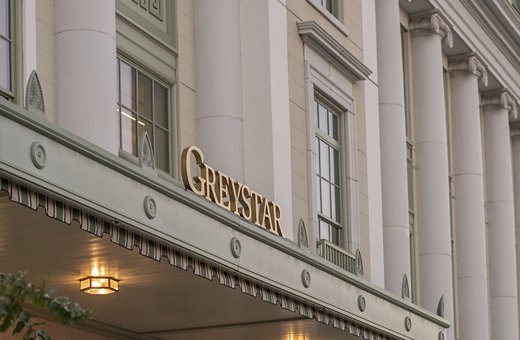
(472, 65)
(432, 23)
(320, 40)
(502, 99)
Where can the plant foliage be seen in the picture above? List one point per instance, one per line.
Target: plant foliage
(15, 291)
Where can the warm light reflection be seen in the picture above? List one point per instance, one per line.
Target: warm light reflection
(132, 118)
(294, 336)
(99, 285)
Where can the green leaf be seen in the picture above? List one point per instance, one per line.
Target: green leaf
(15, 291)
(19, 326)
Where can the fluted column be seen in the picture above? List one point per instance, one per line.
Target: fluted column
(86, 79)
(392, 127)
(500, 216)
(470, 221)
(218, 81)
(432, 187)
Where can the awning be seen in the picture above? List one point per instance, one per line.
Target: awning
(177, 257)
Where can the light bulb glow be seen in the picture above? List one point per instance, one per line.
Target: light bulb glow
(99, 285)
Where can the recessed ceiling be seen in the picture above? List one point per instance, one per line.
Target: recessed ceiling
(155, 301)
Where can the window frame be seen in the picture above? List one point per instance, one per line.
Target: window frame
(334, 7)
(170, 114)
(319, 134)
(335, 18)
(15, 25)
(410, 161)
(339, 94)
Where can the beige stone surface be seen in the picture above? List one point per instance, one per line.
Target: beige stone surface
(186, 95)
(46, 55)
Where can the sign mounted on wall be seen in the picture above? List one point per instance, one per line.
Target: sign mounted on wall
(229, 193)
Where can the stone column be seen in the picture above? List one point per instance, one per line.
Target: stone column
(500, 216)
(265, 99)
(470, 220)
(375, 200)
(432, 187)
(218, 82)
(515, 151)
(86, 79)
(392, 129)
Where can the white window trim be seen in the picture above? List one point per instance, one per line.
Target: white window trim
(337, 22)
(173, 138)
(317, 82)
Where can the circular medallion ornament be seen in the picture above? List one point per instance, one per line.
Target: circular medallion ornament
(362, 304)
(150, 208)
(306, 278)
(38, 155)
(408, 323)
(441, 336)
(236, 247)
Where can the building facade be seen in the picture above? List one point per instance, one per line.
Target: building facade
(270, 169)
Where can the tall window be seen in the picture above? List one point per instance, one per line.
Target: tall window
(6, 49)
(328, 147)
(410, 151)
(144, 106)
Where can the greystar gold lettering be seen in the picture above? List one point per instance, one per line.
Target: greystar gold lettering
(195, 184)
(229, 193)
(245, 202)
(223, 190)
(234, 193)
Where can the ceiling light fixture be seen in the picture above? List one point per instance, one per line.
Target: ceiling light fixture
(99, 285)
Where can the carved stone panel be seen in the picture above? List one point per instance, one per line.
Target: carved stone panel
(34, 101)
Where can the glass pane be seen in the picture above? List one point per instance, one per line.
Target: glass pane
(318, 193)
(145, 125)
(128, 132)
(324, 160)
(323, 116)
(334, 126)
(324, 230)
(161, 105)
(317, 148)
(127, 85)
(334, 207)
(4, 19)
(5, 64)
(334, 166)
(145, 96)
(336, 201)
(161, 149)
(335, 235)
(325, 198)
(317, 108)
